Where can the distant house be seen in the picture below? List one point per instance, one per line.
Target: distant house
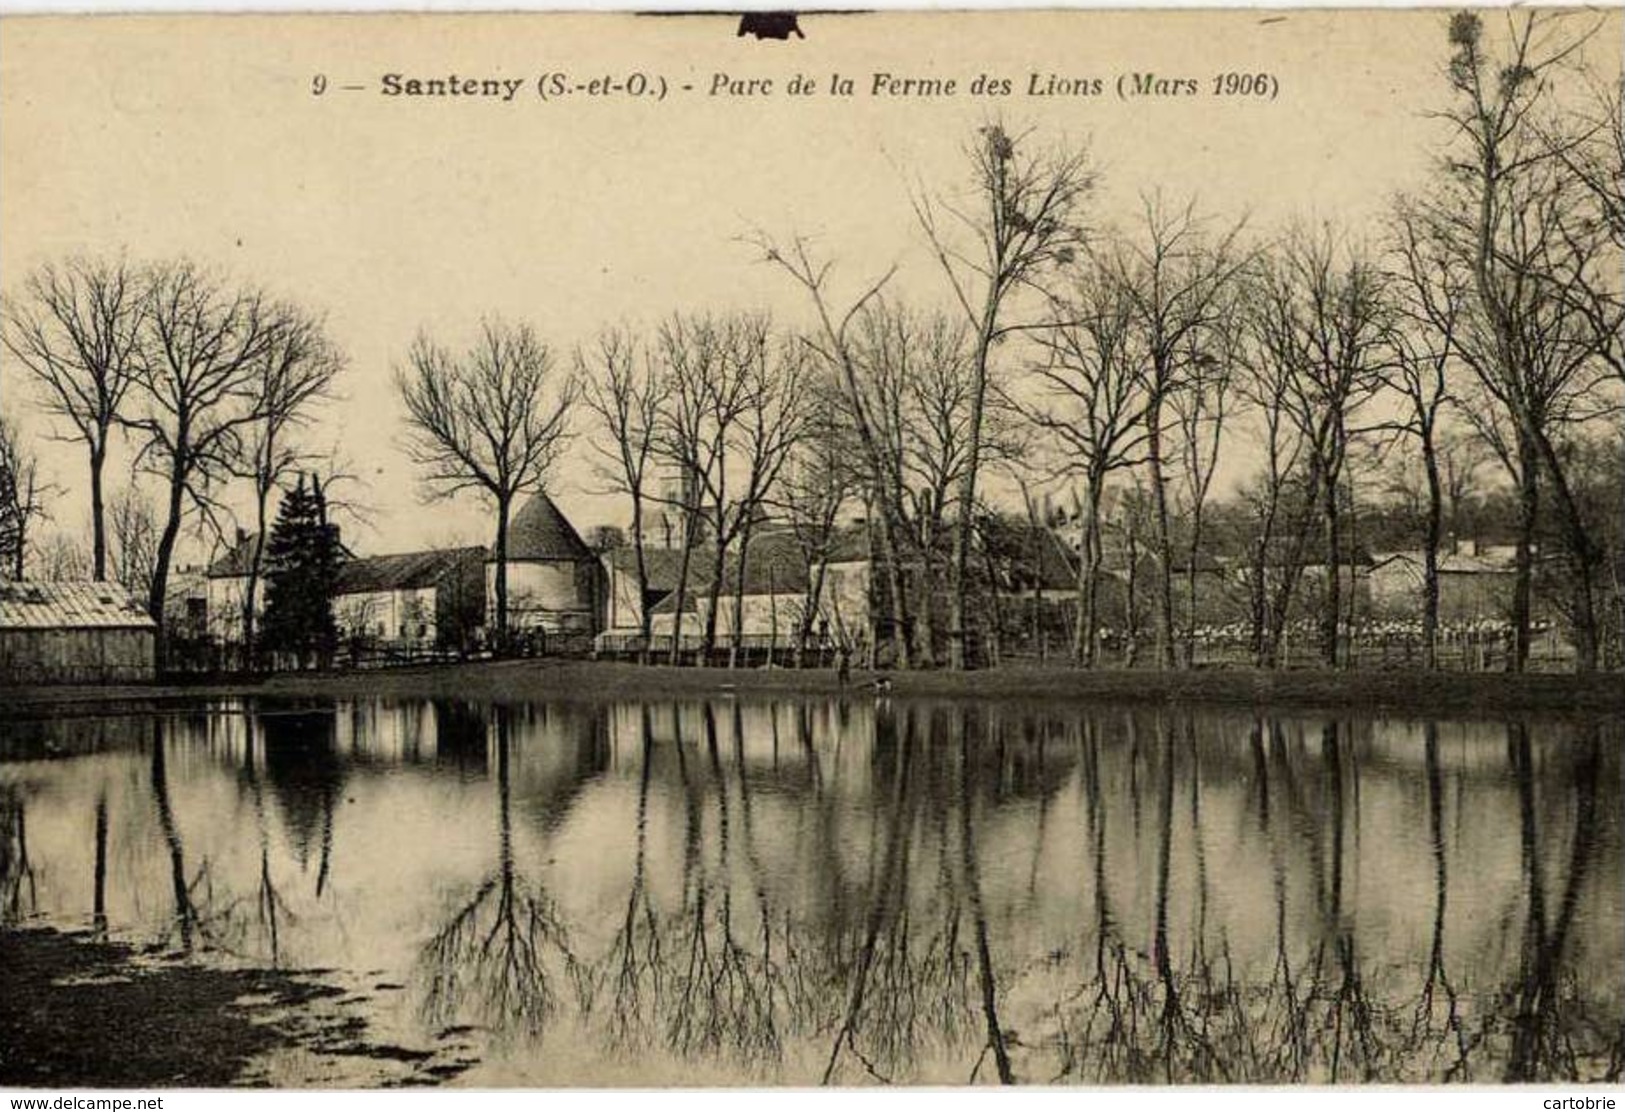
(1473, 584)
(623, 608)
(74, 633)
(555, 581)
(770, 609)
(225, 587)
(434, 598)
(186, 603)
(1038, 564)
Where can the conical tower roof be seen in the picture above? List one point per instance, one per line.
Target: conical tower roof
(540, 532)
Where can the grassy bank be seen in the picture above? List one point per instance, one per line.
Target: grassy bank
(1453, 693)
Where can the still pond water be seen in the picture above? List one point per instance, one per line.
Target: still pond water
(763, 892)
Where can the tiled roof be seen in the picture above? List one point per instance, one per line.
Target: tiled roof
(70, 605)
(660, 564)
(403, 571)
(540, 532)
(237, 560)
(775, 564)
(1453, 563)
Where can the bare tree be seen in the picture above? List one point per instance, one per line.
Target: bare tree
(1429, 299)
(1089, 402)
(1177, 274)
(61, 558)
(819, 480)
(22, 496)
(201, 346)
(918, 377)
(295, 372)
(624, 386)
(77, 329)
(1514, 220)
(1023, 219)
(1321, 320)
(491, 420)
(836, 346)
(1591, 148)
(134, 530)
(776, 373)
(1200, 409)
(703, 417)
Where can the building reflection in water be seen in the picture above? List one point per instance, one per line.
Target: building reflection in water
(872, 891)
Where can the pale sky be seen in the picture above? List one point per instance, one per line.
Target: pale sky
(200, 136)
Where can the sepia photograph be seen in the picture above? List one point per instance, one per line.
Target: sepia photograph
(1048, 548)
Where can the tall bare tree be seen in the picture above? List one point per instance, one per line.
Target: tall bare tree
(1177, 273)
(1200, 411)
(702, 420)
(918, 377)
(777, 376)
(1089, 403)
(836, 345)
(1322, 320)
(202, 344)
(819, 480)
(1429, 295)
(623, 385)
(491, 420)
(295, 373)
(1022, 219)
(1515, 221)
(77, 329)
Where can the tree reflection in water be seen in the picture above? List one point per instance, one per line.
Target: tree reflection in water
(19, 891)
(499, 957)
(901, 891)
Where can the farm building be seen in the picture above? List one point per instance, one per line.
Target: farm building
(73, 633)
(430, 598)
(1472, 586)
(225, 585)
(554, 580)
(623, 609)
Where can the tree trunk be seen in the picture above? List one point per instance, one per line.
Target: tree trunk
(98, 514)
(676, 650)
(1086, 635)
(1432, 534)
(925, 632)
(256, 559)
(809, 611)
(719, 565)
(963, 523)
(1524, 562)
(1192, 554)
(894, 583)
(1582, 561)
(739, 599)
(500, 634)
(1164, 543)
(166, 551)
(1331, 617)
(644, 617)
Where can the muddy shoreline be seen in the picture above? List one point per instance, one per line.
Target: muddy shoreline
(80, 1012)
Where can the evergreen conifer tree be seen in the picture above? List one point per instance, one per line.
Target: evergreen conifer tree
(302, 564)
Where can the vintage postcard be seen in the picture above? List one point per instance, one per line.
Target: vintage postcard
(855, 549)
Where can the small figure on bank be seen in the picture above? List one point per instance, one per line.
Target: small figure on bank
(843, 666)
